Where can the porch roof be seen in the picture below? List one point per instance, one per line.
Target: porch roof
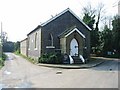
(66, 33)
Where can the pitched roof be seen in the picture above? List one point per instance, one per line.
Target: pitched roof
(34, 30)
(66, 33)
(23, 39)
(68, 9)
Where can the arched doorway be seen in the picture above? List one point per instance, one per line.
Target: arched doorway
(74, 47)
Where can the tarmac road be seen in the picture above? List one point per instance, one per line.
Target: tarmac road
(20, 73)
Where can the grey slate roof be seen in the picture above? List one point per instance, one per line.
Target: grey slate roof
(68, 31)
(34, 30)
(66, 10)
(50, 20)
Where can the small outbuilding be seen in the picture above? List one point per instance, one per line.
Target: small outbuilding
(23, 47)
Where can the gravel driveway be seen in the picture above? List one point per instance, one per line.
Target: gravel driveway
(20, 73)
(17, 72)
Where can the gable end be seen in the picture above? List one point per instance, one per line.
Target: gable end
(50, 20)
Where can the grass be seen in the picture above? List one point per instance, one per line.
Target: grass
(27, 58)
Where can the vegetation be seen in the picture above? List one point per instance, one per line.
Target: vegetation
(2, 59)
(106, 41)
(3, 38)
(92, 17)
(11, 46)
(51, 58)
(8, 46)
(106, 38)
(110, 39)
(116, 35)
(17, 47)
(25, 57)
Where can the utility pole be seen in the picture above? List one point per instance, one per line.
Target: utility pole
(1, 34)
(1, 31)
(1, 43)
(119, 8)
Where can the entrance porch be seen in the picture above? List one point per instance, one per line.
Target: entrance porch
(72, 43)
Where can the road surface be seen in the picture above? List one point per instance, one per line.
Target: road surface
(20, 73)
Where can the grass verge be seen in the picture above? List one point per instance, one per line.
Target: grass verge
(27, 58)
(2, 60)
(94, 60)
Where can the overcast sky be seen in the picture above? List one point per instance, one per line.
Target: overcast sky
(19, 17)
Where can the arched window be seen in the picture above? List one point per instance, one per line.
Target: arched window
(36, 40)
(50, 38)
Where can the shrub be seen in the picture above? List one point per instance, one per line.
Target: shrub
(59, 58)
(1, 62)
(4, 56)
(43, 58)
(2, 59)
(51, 58)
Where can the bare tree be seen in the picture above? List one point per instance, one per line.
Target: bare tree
(99, 13)
(89, 10)
(4, 37)
(93, 16)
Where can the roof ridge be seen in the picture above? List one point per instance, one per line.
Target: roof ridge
(64, 11)
(49, 20)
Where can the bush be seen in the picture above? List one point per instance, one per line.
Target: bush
(51, 58)
(4, 56)
(59, 58)
(2, 59)
(43, 58)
